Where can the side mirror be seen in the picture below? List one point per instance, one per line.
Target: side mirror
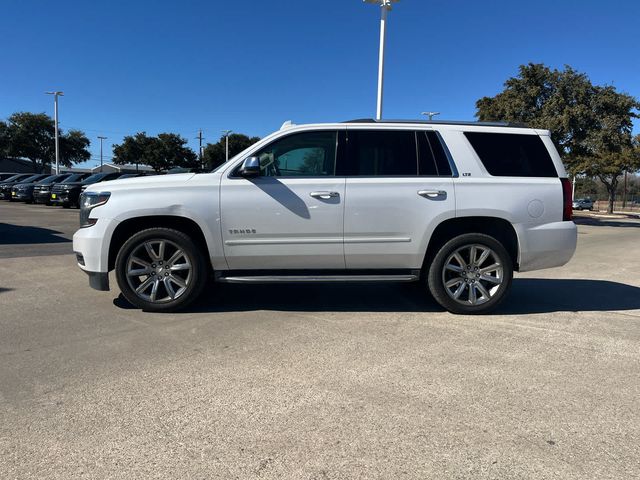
(250, 167)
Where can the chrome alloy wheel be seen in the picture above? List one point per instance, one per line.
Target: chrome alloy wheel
(158, 271)
(472, 274)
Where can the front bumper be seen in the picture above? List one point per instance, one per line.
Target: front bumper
(41, 197)
(91, 246)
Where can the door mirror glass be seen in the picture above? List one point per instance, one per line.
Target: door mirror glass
(250, 167)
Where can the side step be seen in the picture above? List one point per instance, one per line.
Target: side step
(317, 278)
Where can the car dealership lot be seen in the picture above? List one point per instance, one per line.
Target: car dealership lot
(321, 382)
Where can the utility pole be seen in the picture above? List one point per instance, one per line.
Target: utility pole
(624, 192)
(56, 94)
(430, 114)
(226, 136)
(200, 137)
(101, 139)
(385, 7)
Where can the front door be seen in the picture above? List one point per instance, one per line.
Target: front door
(290, 217)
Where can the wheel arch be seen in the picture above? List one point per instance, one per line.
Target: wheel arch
(125, 229)
(498, 228)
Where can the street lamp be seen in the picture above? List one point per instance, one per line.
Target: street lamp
(430, 114)
(101, 139)
(385, 6)
(226, 136)
(55, 116)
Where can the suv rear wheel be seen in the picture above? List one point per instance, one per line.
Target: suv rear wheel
(470, 274)
(160, 270)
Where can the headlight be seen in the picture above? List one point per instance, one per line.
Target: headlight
(88, 201)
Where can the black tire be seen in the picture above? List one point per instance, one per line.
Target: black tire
(437, 275)
(66, 205)
(195, 281)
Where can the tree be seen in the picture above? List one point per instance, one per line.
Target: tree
(590, 125)
(32, 136)
(215, 153)
(161, 153)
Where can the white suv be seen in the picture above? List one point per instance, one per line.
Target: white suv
(457, 205)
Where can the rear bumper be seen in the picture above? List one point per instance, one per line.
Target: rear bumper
(546, 246)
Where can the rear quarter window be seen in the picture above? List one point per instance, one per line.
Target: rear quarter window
(512, 155)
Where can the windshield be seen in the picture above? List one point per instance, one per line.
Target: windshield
(50, 179)
(14, 178)
(94, 178)
(32, 178)
(76, 177)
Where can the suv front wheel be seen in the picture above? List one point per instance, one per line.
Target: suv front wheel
(470, 274)
(160, 270)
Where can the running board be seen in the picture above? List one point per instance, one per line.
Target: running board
(317, 278)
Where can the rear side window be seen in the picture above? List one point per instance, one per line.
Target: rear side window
(433, 160)
(381, 153)
(512, 155)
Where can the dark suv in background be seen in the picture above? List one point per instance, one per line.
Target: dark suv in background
(24, 191)
(13, 190)
(6, 184)
(68, 193)
(42, 190)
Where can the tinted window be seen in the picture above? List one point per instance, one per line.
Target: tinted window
(442, 161)
(432, 157)
(307, 154)
(53, 178)
(76, 177)
(33, 178)
(512, 155)
(381, 152)
(15, 178)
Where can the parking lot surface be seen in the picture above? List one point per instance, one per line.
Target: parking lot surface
(318, 382)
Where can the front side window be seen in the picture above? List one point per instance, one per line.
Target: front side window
(306, 154)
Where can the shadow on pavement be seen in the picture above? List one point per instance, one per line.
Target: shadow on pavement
(535, 295)
(18, 234)
(542, 295)
(2, 289)
(606, 222)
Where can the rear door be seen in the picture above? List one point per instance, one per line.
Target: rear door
(399, 187)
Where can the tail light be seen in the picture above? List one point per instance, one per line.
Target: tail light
(567, 207)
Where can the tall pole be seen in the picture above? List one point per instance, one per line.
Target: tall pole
(573, 191)
(101, 139)
(55, 119)
(385, 6)
(226, 136)
(199, 137)
(383, 35)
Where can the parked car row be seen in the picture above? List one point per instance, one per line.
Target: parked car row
(63, 189)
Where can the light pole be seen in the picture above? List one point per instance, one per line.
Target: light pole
(55, 117)
(430, 114)
(101, 139)
(385, 6)
(226, 136)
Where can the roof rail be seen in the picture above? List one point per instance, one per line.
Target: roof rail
(442, 122)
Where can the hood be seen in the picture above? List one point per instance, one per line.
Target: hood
(141, 182)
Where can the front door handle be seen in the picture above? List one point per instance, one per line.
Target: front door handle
(433, 194)
(324, 195)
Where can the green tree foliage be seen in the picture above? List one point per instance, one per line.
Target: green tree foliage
(32, 136)
(214, 154)
(590, 124)
(166, 151)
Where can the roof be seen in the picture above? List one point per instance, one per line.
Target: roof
(442, 122)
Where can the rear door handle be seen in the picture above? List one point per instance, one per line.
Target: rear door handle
(432, 194)
(324, 195)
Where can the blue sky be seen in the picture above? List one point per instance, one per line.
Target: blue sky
(250, 65)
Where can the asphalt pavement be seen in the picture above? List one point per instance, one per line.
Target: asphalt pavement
(318, 381)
